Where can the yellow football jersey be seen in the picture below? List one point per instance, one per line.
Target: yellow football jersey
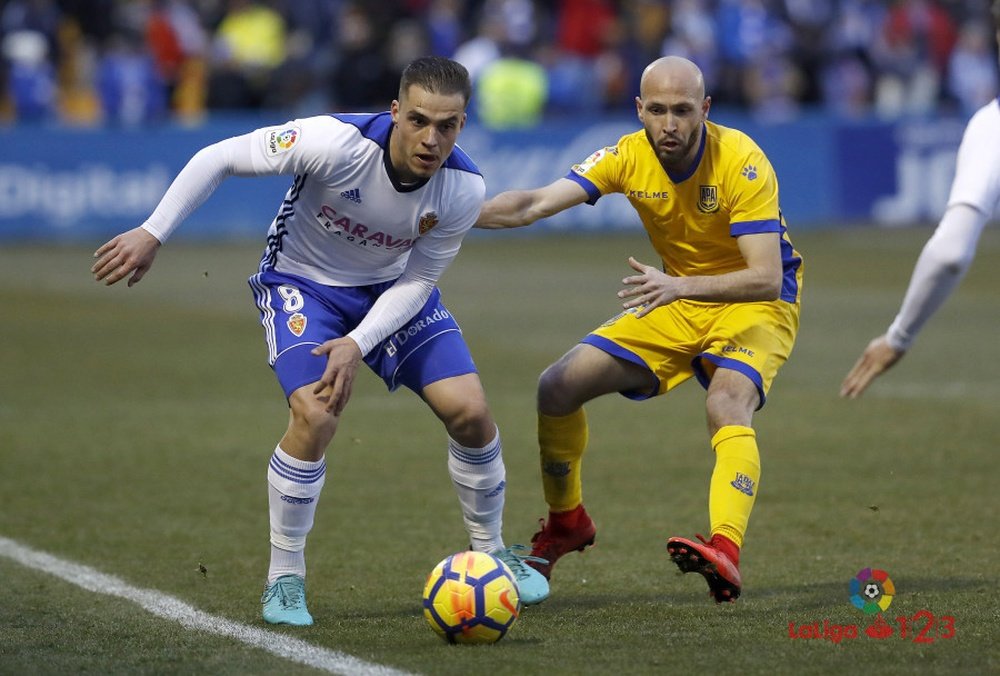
(693, 219)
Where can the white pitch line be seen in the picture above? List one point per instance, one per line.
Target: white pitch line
(171, 608)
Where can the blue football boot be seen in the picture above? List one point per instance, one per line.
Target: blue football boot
(532, 586)
(284, 602)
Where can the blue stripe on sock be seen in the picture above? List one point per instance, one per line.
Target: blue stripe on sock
(475, 459)
(295, 474)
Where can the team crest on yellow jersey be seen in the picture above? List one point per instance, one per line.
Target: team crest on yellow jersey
(594, 158)
(708, 199)
(297, 324)
(427, 221)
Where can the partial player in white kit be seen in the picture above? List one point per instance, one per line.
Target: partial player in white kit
(378, 208)
(948, 254)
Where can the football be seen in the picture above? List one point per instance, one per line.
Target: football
(471, 597)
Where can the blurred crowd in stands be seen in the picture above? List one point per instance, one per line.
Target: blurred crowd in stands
(139, 61)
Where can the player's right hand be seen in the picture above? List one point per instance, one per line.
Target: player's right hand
(877, 358)
(649, 290)
(342, 358)
(131, 252)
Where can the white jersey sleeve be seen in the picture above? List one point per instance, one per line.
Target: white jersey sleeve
(977, 170)
(942, 264)
(316, 146)
(197, 181)
(948, 254)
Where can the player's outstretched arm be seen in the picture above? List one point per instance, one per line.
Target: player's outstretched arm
(942, 264)
(515, 208)
(877, 358)
(133, 252)
(130, 253)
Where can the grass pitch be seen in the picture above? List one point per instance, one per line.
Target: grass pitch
(135, 427)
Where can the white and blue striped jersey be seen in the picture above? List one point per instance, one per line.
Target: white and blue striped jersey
(346, 220)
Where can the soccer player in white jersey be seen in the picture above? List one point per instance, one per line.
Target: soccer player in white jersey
(378, 208)
(975, 195)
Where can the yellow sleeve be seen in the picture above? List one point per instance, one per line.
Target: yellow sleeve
(599, 174)
(754, 197)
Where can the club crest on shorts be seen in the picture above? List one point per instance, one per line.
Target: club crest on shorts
(427, 221)
(297, 324)
(708, 199)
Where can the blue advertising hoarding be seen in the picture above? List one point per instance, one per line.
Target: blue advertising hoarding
(88, 184)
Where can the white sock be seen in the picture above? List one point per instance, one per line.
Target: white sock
(293, 488)
(478, 475)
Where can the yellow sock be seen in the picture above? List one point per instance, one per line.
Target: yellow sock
(734, 481)
(561, 442)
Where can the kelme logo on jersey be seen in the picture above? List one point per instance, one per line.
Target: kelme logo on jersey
(648, 194)
(750, 171)
(427, 221)
(277, 141)
(297, 324)
(708, 199)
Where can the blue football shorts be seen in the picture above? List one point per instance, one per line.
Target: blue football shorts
(298, 314)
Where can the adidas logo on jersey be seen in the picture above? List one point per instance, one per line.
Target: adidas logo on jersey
(354, 194)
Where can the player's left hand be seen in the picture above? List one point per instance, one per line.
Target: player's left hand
(650, 289)
(343, 357)
(877, 358)
(130, 253)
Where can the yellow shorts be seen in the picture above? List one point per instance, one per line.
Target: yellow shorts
(688, 338)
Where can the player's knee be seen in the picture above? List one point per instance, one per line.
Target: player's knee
(553, 392)
(725, 406)
(310, 415)
(471, 424)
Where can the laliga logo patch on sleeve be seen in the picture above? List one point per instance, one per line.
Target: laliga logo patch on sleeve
(280, 139)
(595, 157)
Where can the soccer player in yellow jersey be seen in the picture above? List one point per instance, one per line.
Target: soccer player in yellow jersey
(721, 305)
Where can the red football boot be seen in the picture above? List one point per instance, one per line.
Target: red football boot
(565, 532)
(717, 560)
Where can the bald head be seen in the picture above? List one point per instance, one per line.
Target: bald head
(676, 73)
(672, 107)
